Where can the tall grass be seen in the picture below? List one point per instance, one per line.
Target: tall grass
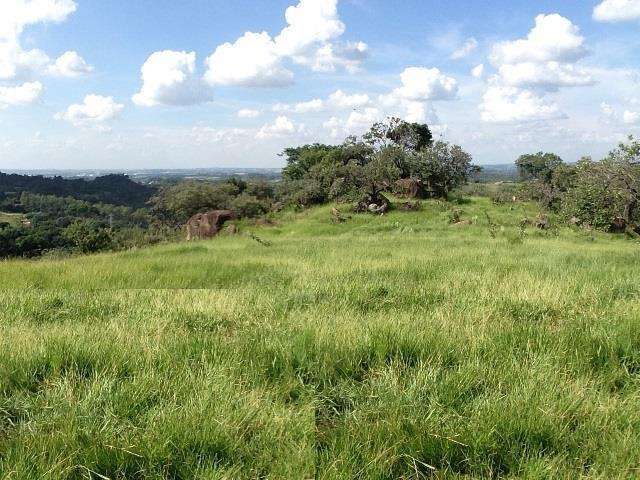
(385, 347)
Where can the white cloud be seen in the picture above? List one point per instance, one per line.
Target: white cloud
(545, 61)
(169, 78)
(631, 118)
(248, 113)
(17, 14)
(617, 11)
(334, 125)
(424, 84)
(360, 121)
(340, 99)
(478, 71)
(281, 127)
(70, 65)
(552, 39)
(315, 105)
(548, 75)
(25, 94)
(252, 61)
(94, 112)
(510, 104)
(310, 22)
(330, 57)
(309, 39)
(15, 62)
(466, 49)
(419, 112)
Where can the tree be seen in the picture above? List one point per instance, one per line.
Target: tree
(604, 194)
(442, 168)
(538, 166)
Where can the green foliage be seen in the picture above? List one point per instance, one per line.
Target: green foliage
(181, 201)
(605, 194)
(538, 166)
(87, 236)
(363, 168)
(250, 206)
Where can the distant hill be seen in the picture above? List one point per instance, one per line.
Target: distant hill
(115, 189)
(498, 173)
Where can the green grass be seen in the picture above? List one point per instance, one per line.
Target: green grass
(14, 219)
(383, 348)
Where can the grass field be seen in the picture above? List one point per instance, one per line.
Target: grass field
(11, 218)
(396, 347)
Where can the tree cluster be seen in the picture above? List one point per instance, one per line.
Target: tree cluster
(600, 194)
(363, 169)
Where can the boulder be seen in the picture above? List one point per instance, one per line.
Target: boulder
(409, 187)
(619, 225)
(543, 222)
(209, 224)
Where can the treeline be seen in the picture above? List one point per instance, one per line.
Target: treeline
(601, 194)
(110, 189)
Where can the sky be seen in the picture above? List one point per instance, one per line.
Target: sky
(121, 84)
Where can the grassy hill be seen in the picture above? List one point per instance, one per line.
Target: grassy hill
(385, 347)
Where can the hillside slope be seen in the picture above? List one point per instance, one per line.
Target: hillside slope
(384, 347)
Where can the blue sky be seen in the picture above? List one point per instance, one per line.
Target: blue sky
(161, 84)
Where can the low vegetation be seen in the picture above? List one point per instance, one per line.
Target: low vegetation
(396, 346)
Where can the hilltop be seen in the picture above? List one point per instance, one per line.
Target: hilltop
(398, 346)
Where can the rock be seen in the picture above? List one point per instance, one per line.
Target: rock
(574, 221)
(409, 187)
(410, 206)
(543, 222)
(378, 209)
(619, 225)
(462, 223)
(209, 224)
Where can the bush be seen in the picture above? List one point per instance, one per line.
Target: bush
(250, 206)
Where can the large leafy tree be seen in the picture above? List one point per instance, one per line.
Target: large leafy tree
(605, 194)
(538, 166)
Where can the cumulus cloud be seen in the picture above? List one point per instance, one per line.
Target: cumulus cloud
(330, 57)
(70, 65)
(426, 84)
(549, 75)
(281, 127)
(15, 61)
(553, 39)
(252, 61)
(170, 78)
(248, 113)
(511, 104)
(528, 68)
(315, 105)
(94, 112)
(465, 50)
(17, 14)
(340, 99)
(25, 94)
(617, 11)
(309, 39)
(310, 22)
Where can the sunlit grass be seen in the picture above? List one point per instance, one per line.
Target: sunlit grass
(384, 347)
